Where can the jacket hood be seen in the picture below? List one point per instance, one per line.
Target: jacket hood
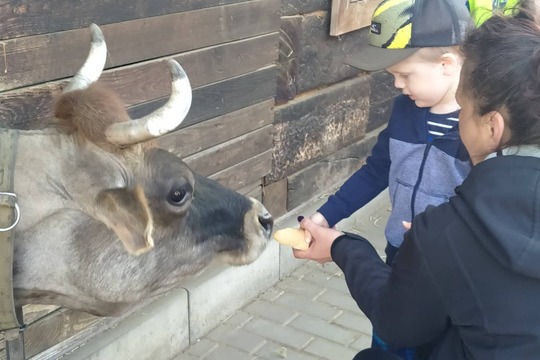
(503, 193)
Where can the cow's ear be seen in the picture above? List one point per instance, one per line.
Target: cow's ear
(126, 212)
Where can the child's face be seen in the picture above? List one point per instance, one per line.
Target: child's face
(427, 83)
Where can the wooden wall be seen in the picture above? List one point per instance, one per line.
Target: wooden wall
(327, 113)
(229, 50)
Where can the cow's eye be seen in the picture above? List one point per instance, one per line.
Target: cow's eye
(178, 196)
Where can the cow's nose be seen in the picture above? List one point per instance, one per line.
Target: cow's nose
(267, 222)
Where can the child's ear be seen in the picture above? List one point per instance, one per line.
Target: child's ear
(451, 64)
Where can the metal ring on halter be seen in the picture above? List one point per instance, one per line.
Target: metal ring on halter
(17, 211)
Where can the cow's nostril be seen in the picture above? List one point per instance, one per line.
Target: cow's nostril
(267, 222)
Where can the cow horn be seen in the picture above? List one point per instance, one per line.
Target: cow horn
(94, 64)
(161, 121)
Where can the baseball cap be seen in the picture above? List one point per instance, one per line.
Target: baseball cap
(399, 28)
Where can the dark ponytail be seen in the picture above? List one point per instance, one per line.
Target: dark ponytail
(502, 71)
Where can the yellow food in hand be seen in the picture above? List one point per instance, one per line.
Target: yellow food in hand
(294, 238)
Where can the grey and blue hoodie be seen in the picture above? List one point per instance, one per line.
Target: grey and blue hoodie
(419, 157)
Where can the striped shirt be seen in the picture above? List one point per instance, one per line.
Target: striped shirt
(441, 124)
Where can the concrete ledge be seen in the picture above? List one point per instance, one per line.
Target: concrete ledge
(221, 290)
(157, 331)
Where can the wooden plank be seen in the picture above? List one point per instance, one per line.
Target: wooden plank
(41, 58)
(328, 172)
(349, 15)
(33, 17)
(381, 99)
(238, 176)
(63, 330)
(222, 97)
(151, 80)
(275, 197)
(198, 137)
(253, 190)
(311, 59)
(302, 7)
(31, 108)
(33, 313)
(54, 328)
(318, 124)
(230, 153)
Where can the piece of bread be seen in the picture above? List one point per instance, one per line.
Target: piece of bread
(294, 238)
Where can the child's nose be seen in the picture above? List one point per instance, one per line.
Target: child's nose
(399, 83)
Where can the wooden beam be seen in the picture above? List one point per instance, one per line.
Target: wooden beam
(222, 97)
(328, 173)
(31, 108)
(318, 124)
(232, 152)
(275, 197)
(20, 18)
(37, 59)
(202, 136)
(249, 171)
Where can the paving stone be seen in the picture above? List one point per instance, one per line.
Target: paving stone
(330, 350)
(238, 319)
(202, 347)
(185, 356)
(324, 329)
(339, 300)
(271, 294)
(301, 287)
(274, 351)
(303, 270)
(237, 338)
(281, 334)
(224, 352)
(363, 342)
(307, 306)
(271, 311)
(356, 321)
(329, 268)
(325, 280)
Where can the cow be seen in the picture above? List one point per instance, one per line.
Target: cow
(107, 218)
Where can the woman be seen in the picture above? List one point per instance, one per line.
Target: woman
(467, 276)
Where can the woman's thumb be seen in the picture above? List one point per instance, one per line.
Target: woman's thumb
(309, 225)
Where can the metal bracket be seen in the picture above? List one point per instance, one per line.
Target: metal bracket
(17, 211)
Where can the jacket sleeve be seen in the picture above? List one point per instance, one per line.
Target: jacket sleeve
(402, 302)
(363, 185)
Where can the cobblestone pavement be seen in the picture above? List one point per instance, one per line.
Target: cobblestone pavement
(309, 315)
(306, 316)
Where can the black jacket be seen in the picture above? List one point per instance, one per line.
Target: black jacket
(467, 276)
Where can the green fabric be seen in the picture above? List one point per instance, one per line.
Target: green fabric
(481, 10)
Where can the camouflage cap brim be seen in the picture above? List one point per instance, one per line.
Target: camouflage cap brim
(372, 58)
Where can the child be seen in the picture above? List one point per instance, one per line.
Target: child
(419, 156)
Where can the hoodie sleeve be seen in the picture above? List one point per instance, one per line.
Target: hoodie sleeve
(363, 185)
(402, 302)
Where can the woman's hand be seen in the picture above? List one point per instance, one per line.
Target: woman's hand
(319, 219)
(322, 239)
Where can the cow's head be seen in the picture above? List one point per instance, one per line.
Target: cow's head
(133, 219)
(158, 202)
